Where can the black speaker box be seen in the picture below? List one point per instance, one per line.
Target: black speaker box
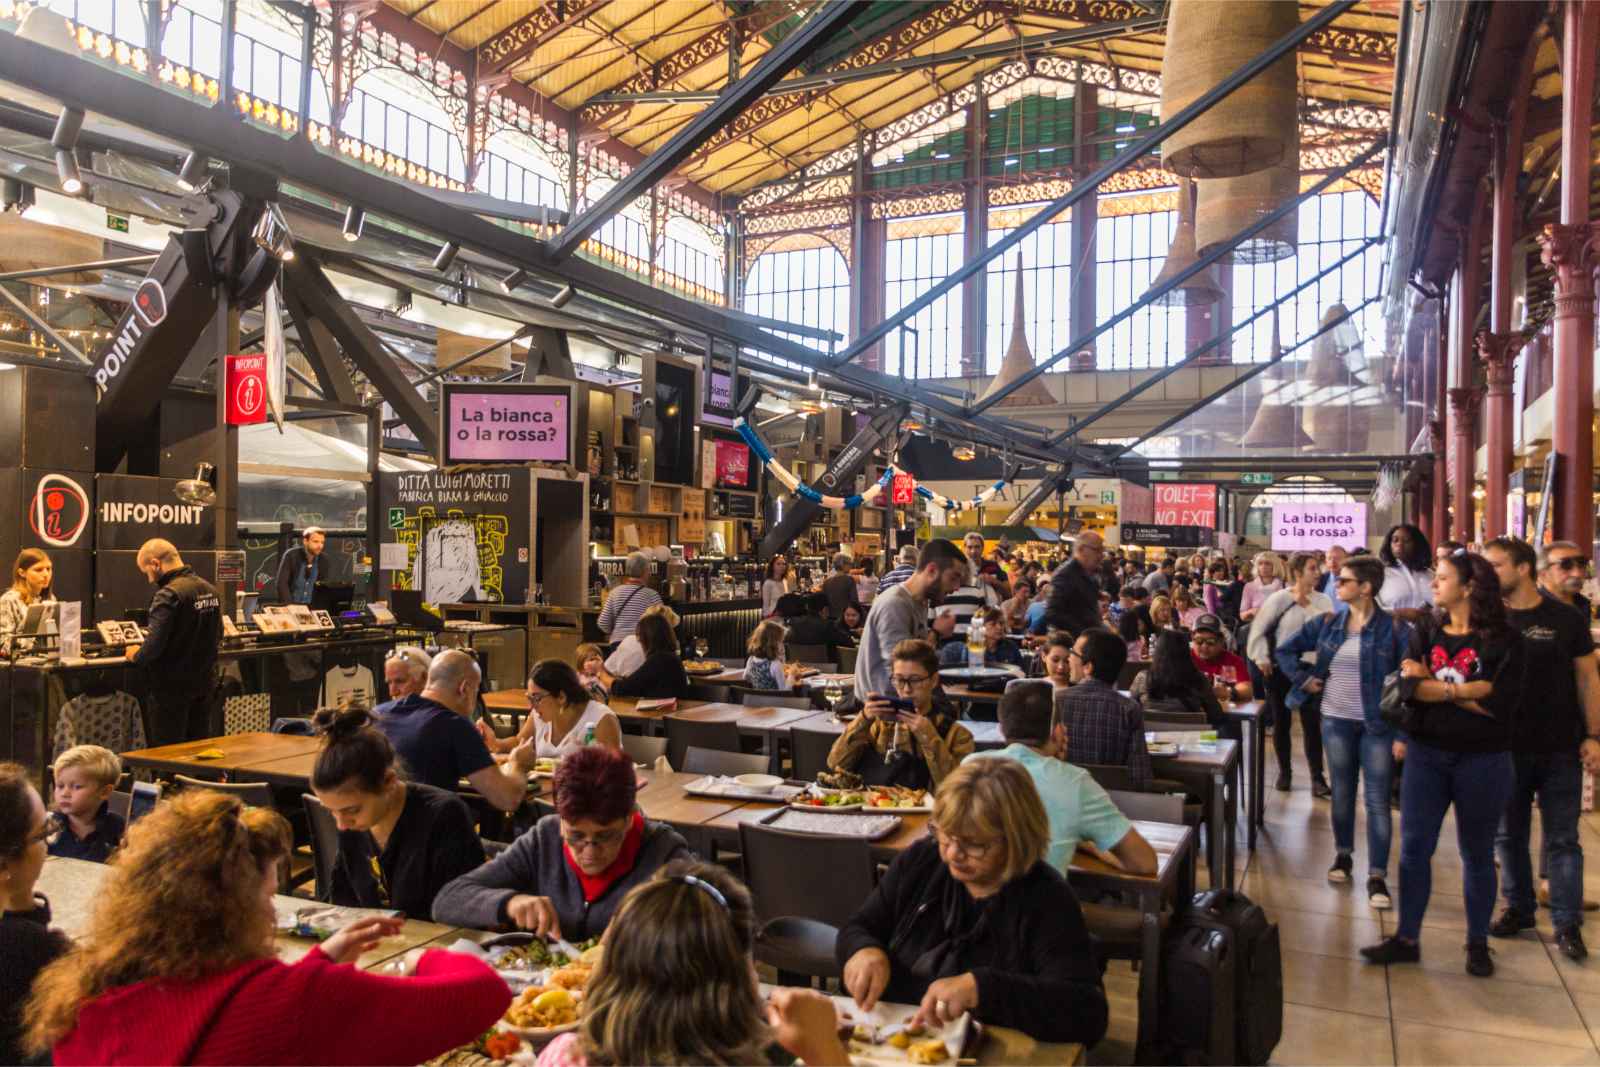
(46, 419)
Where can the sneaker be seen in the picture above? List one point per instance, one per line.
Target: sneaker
(1511, 923)
(1393, 950)
(1378, 893)
(1339, 873)
(1480, 960)
(1570, 941)
(1321, 789)
(1283, 783)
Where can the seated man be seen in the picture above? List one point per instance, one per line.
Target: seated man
(436, 741)
(813, 624)
(1229, 673)
(1103, 726)
(1078, 809)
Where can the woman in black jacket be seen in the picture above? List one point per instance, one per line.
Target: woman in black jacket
(1173, 684)
(973, 919)
(661, 673)
(1463, 675)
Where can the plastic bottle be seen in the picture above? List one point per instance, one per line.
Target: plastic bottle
(975, 644)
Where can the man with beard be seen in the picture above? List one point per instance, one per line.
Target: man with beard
(901, 613)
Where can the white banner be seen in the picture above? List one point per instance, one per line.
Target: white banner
(277, 357)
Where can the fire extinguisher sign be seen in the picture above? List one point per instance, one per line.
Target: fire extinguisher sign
(246, 382)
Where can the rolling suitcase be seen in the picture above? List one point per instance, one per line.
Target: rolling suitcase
(1257, 970)
(1222, 983)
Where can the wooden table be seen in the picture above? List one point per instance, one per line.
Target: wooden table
(663, 798)
(984, 734)
(73, 886)
(256, 755)
(1216, 764)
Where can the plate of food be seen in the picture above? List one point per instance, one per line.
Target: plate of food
(703, 666)
(968, 675)
(553, 978)
(1162, 748)
(898, 798)
(885, 1035)
(542, 1013)
(821, 798)
(543, 767)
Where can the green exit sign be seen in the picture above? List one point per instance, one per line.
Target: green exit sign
(1262, 478)
(116, 222)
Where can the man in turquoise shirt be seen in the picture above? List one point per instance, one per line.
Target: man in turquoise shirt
(1078, 809)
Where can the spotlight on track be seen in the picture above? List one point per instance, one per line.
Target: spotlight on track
(67, 171)
(354, 220)
(562, 298)
(511, 281)
(68, 125)
(193, 173)
(446, 256)
(15, 194)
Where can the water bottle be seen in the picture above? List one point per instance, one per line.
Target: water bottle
(588, 735)
(975, 644)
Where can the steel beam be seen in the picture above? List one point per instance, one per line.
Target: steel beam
(1137, 147)
(73, 268)
(362, 346)
(793, 51)
(836, 480)
(1155, 292)
(42, 326)
(321, 351)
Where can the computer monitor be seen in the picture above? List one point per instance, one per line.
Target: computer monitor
(408, 611)
(332, 597)
(41, 619)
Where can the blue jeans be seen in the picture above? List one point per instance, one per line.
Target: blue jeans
(1479, 786)
(1351, 750)
(1557, 777)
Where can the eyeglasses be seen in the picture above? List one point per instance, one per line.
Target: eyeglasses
(1571, 563)
(534, 696)
(1074, 653)
(961, 846)
(909, 681)
(1207, 640)
(578, 842)
(1342, 579)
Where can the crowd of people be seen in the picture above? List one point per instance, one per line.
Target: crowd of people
(1475, 672)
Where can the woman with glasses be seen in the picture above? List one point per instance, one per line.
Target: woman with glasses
(913, 737)
(27, 943)
(972, 918)
(399, 842)
(1356, 648)
(1407, 591)
(565, 715)
(567, 875)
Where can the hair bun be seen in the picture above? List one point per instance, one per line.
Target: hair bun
(339, 724)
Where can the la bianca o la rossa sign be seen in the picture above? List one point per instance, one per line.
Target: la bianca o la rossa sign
(506, 423)
(1318, 526)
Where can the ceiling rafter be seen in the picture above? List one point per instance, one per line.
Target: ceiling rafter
(621, 56)
(501, 52)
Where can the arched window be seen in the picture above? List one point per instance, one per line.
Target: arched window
(395, 112)
(517, 168)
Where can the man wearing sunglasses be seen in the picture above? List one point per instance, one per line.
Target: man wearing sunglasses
(1563, 568)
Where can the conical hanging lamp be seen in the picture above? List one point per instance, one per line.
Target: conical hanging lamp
(1276, 424)
(1201, 288)
(1328, 366)
(1225, 207)
(1252, 127)
(1018, 361)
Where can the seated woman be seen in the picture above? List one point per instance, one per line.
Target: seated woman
(27, 943)
(1015, 610)
(677, 984)
(891, 743)
(661, 673)
(591, 663)
(998, 649)
(1174, 685)
(1161, 614)
(1184, 607)
(765, 669)
(853, 618)
(568, 874)
(564, 719)
(972, 918)
(177, 964)
(399, 842)
(629, 654)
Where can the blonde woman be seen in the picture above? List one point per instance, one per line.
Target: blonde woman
(973, 918)
(1268, 580)
(1161, 613)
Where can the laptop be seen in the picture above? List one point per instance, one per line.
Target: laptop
(408, 611)
(41, 619)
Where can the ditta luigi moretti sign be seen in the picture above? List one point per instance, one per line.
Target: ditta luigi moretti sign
(1318, 526)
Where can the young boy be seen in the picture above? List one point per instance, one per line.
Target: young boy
(85, 777)
(590, 660)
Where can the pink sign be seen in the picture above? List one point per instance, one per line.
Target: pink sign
(1318, 526)
(1179, 504)
(733, 463)
(507, 427)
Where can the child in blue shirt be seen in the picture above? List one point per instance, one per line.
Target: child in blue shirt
(85, 777)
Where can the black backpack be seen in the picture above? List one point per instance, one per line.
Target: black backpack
(1222, 983)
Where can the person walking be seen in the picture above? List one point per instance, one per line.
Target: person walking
(1074, 603)
(179, 653)
(1282, 616)
(1553, 739)
(1463, 677)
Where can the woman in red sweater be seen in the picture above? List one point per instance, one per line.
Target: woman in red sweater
(178, 967)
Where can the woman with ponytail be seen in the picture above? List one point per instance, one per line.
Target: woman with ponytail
(399, 842)
(177, 964)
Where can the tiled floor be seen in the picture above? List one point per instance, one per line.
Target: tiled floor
(1539, 1008)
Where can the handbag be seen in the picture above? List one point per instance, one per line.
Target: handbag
(1392, 705)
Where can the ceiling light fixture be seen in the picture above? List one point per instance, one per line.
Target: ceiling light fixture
(194, 172)
(964, 452)
(67, 171)
(15, 194)
(355, 219)
(201, 489)
(68, 124)
(446, 256)
(563, 297)
(510, 282)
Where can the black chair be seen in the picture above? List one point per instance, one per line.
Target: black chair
(1111, 776)
(847, 660)
(682, 733)
(809, 750)
(254, 794)
(715, 694)
(808, 654)
(767, 698)
(324, 844)
(645, 750)
(805, 886)
(715, 761)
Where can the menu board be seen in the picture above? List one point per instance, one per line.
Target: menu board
(505, 423)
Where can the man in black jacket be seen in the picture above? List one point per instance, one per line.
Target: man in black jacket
(179, 654)
(301, 567)
(1074, 594)
(808, 622)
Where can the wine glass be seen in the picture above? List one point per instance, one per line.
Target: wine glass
(833, 693)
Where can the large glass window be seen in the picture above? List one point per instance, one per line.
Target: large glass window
(809, 286)
(1129, 251)
(1046, 291)
(912, 265)
(691, 259)
(415, 132)
(513, 169)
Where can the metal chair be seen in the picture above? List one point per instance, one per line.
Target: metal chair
(681, 733)
(805, 886)
(808, 750)
(642, 749)
(766, 698)
(324, 844)
(714, 694)
(1111, 776)
(254, 794)
(1148, 807)
(715, 761)
(808, 654)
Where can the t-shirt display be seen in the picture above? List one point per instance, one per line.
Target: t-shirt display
(344, 684)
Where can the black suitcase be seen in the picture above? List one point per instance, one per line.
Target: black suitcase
(1257, 969)
(1198, 984)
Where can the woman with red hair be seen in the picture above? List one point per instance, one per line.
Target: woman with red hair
(567, 875)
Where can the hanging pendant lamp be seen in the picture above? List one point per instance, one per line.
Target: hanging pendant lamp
(1201, 288)
(1227, 206)
(1252, 127)
(1019, 360)
(1328, 367)
(1276, 424)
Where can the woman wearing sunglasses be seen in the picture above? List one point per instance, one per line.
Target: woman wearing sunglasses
(567, 875)
(1355, 648)
(974, 919)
